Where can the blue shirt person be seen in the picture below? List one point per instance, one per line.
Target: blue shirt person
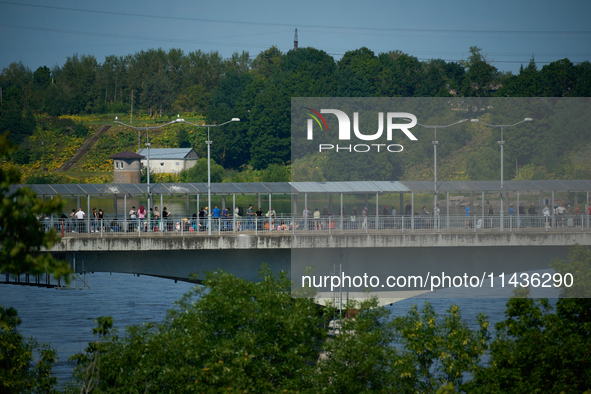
(215, 212)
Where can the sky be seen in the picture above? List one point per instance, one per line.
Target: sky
(46, 33)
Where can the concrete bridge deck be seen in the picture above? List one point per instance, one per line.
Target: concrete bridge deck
(320, 240)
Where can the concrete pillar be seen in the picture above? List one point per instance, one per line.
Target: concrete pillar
(198, 207)
(330, 203)
(88, 218)
(305, 210)
(188, 207)
(341, 212)
(412, 210)
(115, 205)
(552, 210)
(233, 212)
(366, 200)
(377, 211)
(482, 199)
(518, 219)
(401, 210)
(223, 202)
(259, 201)
(447, 209)
(586, 207)
(270, 221)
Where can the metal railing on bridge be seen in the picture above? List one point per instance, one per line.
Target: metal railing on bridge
(176, 225)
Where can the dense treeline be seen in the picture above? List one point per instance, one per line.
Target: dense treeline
(259, 90)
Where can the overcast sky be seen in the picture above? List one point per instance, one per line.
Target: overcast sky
(42, 33)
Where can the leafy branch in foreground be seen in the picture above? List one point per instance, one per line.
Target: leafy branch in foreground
(22, 237)
(23, 250)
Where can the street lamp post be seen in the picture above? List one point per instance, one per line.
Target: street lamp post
(147, 128)
(435, 142)
(502, 143)
(208, 142)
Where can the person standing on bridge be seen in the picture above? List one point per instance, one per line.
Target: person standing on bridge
(166, 219)
(80, 215)
(491, 213)
(532, 213)
(94, 227)
(101, 217)
(271, 215)
(467, 210)
(249, 217)
(202, 222)
(215, 212)
(317, 219)
(157, 219)
(259, 218)
(521, 215)
(577, 213)
(141, 213)
(132, 217)
(225, 217)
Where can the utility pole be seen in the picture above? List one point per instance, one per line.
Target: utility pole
(295, 40)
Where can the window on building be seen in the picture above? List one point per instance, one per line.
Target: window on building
(116, 165)
(177, 163)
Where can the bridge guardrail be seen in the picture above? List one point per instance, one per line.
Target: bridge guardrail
(194, 226)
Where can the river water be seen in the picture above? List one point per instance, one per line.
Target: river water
(65, 318)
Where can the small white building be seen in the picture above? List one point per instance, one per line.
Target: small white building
(169, 160)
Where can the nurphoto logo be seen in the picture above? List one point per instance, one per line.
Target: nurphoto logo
(345, 130)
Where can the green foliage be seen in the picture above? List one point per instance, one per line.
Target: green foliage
(21, 235)
(579, 266)
(17, 373)
(22, 239)
(235, 336)
(440, 350)
(484, 165)
(535, 350)
(246, 174)
(258, 92)
(198, 173)
(275, 173)
(40, 178)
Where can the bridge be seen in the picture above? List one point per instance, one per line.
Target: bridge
(367, 242)
(385, 250)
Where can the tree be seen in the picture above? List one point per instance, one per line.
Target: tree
(268, 62)
(233, 336)
(275, 173)
(419, 352)
(535, 350)
(484, 164)
(198, 173)
(157, 94)
(17, 373)
(22, 239)
(481, 77)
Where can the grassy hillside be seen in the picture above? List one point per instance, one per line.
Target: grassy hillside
(56, 140)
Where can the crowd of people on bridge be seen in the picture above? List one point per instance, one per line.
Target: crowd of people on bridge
(238, 219)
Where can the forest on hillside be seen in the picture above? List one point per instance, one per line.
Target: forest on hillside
(160, 84)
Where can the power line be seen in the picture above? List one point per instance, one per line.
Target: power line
(348, 28)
